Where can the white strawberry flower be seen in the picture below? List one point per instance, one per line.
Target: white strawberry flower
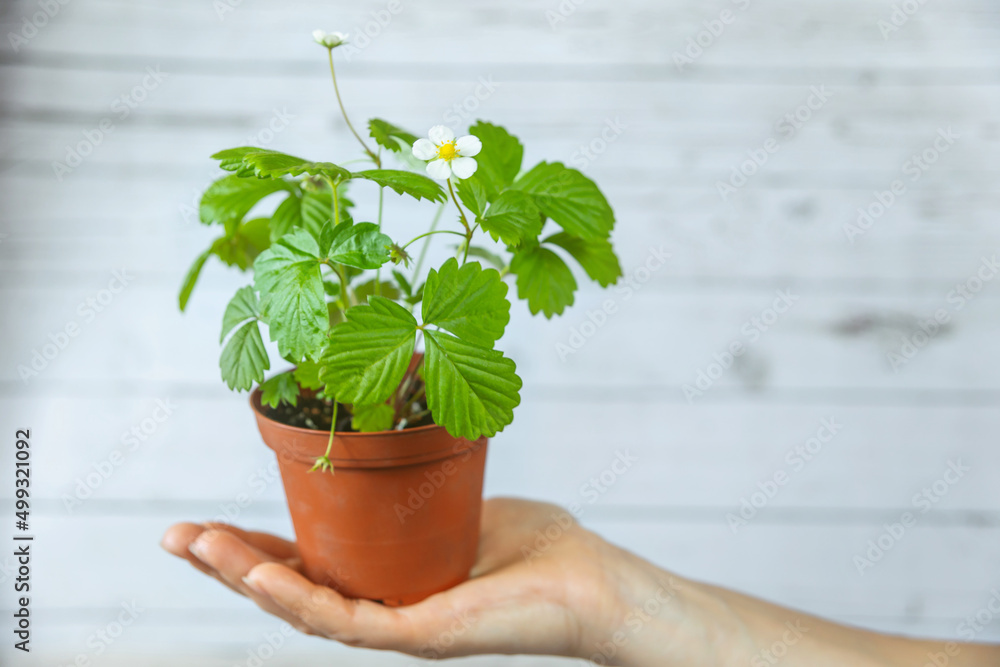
(330, 40)
(447, 154)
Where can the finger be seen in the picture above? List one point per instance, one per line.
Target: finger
(179, 538)
(231, 560)
(272, 544)
(360, 623)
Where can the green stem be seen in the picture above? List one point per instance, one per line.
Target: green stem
(335, 198)
(333, 427)
(345, 291)
(323, 463)
(461, 212)
(438, 231)
(336, 206)
(427, 243)
(343, 111)
(465, 223)
(378, 271)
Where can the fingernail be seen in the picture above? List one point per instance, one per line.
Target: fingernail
(252, 585)
(196, 549)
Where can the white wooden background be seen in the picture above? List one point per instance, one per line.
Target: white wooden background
(557, 87)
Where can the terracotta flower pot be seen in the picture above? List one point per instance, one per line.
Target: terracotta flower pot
(399, 519)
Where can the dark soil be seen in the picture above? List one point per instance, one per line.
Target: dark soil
(316, 413)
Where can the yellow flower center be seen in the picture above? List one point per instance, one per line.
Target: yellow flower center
(447, 151)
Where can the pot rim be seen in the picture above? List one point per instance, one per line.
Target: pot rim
(258, 408)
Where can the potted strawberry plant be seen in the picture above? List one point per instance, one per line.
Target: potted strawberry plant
(381, 423)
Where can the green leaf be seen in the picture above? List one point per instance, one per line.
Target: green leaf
(229, 199)
(597, 258)
(368, 354)
(471, 390)
(417, 186)
(359, 245)
(231, 159)
(244, 358)
(242, 307)
(569, 198)
(389, 136)
(404, 284)
(273, 164)
(513, 218)
(287, 275)
(317, 212)
(371, 418)
(367, 289)
(307, 374)
(499, 160)
(331, 288)
(280, 388)
(243, 245)
(544, 280)
(469, 302)
(472, 193)
(493, 259)
(287, 216)
(191, 278)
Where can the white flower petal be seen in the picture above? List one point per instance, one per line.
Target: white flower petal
(464, 166)
(440, 134)
(330, 40)
(468, 146)
(423, 149)
(439, 169)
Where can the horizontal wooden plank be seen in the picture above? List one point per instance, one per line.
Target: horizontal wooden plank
(684, 463)
(229, 103)
(828, 34)
(933, 573)
(928, 240)
(651, 339)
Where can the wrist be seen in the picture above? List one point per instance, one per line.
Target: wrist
(657, 618)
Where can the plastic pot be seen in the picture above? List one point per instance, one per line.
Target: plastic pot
(399, 519)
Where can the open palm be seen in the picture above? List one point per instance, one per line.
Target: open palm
(527, 593)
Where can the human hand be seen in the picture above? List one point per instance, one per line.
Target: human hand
(560, 596)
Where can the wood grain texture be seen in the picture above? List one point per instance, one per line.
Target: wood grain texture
(235, 77)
